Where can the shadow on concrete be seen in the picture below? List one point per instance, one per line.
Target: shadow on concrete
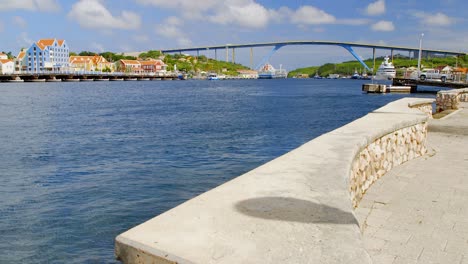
(294, 210)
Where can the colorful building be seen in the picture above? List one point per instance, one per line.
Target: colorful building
(142, 66)
(90, 63)
(45, 55)
(153, 65)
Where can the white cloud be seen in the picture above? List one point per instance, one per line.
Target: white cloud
(20, 22)
(245, 13)
(24, 41)
(249, 13)
(31, 5)
(170, 29)
(438, 19)
(376, 8)
(383, 25)
(312, 16)
(93, 14)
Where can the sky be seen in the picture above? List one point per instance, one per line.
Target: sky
(141, 25)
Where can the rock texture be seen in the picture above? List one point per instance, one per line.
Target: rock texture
(382, 155)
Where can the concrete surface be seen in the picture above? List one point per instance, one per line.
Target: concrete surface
(294, 209)
(418, 212)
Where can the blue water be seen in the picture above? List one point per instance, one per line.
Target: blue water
(82, 162)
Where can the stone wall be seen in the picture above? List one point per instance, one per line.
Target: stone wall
(425, 107)
(450, 100)
(382, 155)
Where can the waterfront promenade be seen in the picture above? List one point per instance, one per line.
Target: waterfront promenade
(418, 213)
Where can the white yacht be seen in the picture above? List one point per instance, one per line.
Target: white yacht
(386, 71)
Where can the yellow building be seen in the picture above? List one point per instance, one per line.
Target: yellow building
(91, 63)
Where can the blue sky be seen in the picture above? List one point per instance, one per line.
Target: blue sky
(139, 25)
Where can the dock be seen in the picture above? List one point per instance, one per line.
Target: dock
(437, 83)
(382, 88)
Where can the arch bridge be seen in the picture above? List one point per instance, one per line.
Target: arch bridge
(277, 45)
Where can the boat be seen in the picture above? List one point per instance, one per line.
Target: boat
(269, 72)
(317, 76)
(364, 75)
(386, 70)
(212, 76)
(356, 75)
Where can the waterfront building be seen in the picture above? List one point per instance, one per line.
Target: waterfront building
(153, 65)
(141, 66)
(90, 63)
(7, 66)
(248, 74)
(132, 66)
(45, 55)
(3, 56)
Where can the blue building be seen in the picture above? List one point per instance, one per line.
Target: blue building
(45, 55)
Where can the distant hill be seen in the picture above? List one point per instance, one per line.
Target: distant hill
(400, 62)
(184, 62)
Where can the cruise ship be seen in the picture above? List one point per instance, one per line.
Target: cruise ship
(269, 72)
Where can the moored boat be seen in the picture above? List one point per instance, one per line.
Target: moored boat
(386, 70)
(212, 76)
(269, 72)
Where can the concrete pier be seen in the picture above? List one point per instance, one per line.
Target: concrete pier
(297, 208)
(382, 88)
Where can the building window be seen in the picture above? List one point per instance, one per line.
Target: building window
(34, 48)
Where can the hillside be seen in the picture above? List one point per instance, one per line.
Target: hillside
(185, 63)
(348, 67)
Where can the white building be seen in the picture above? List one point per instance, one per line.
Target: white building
(3, 56)
(7, 66)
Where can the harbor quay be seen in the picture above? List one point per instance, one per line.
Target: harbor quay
(321, 203)
(85, 76)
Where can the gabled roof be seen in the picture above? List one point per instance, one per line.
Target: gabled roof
(134, 62)
(40, 45)
(96, 59)
(152, 62)
(5, 61)
(21, 55)
(81, 59)
(46, 42)
(49, 42)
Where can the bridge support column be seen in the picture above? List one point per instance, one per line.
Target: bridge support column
(233, 55)
(251, 58)
(227, 54)
(373, 58)
(391, 52)
(216, 54)
(268, 56)
(350, 49)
